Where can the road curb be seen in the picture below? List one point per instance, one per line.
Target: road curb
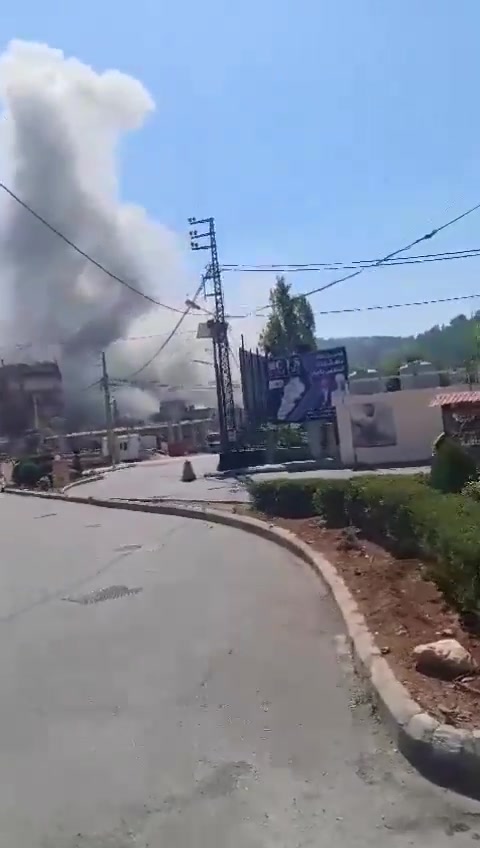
(99, 475)
(445, 755)
(82, 480)
(108, 469)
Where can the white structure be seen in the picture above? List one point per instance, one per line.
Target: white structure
(132, 447)
(389, 427)
(419, 375)
(365, 381)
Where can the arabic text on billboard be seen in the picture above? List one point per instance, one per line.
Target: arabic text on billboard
(300, 386)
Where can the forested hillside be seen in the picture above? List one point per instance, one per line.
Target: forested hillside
(453, 344)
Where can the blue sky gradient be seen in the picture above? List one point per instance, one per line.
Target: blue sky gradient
(313, 131)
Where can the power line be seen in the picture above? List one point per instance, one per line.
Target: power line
(167, 336)
(355, 264)
(425, 237)
(160, 350)
(345, 310)
(25, 345)
(232, 351)
(372, 308)
(170, 336)
(85, 255)
(152, 336)
(386, 258)
(466, 250)
(270, 265)
(397, 305)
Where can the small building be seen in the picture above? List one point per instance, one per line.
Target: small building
(418, 374)
(365, 381)
(31, 396)
(173, 409)
(461, 417)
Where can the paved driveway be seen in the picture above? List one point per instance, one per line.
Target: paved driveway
(161, 479)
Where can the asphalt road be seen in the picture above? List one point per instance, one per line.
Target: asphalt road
(161, 479)
(213, 706)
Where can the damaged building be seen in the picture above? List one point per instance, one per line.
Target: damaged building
(31, 397)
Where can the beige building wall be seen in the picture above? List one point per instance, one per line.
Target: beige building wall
(315, 430)
(415, 424)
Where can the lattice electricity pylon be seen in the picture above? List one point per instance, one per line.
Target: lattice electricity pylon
(219, 331)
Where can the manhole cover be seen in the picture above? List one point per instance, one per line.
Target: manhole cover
(111, 593)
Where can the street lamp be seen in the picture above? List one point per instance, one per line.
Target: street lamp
(190, 304)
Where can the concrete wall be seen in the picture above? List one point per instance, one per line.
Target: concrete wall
(415, 422)
(315, 432)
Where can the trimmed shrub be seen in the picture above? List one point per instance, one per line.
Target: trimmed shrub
(329, 501)
(472, 490)
(29, 470)
(452, 466)
(285, 498)
(26, 473)
(383, 510)
(412, 520)
(451, 539)
(399, 512)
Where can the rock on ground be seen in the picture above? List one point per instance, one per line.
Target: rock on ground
(445, 658)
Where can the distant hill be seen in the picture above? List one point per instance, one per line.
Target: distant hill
(449, 345)
(370, 351)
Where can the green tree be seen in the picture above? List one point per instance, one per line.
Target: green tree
(291, 324)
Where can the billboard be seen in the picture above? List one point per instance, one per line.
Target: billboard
(253, 370)
(300, 386)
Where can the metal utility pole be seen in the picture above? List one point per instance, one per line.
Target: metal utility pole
(108, 411)
(219, 331)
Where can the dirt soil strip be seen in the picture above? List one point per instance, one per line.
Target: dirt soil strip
(379, 599)
(403, 609)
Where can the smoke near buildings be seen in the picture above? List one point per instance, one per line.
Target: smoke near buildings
(61, 126)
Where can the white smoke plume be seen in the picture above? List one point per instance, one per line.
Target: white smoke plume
(60, 132)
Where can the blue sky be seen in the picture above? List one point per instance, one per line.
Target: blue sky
(313, 131)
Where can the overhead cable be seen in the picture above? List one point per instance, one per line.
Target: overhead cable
(85, 255)
(358, 271)
(435, 300)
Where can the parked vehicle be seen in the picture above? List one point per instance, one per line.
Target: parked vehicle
(213, 442)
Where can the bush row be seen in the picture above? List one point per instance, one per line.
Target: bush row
(402, 513)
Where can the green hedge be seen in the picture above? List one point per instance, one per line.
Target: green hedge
(285, 498)
(401, 513)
